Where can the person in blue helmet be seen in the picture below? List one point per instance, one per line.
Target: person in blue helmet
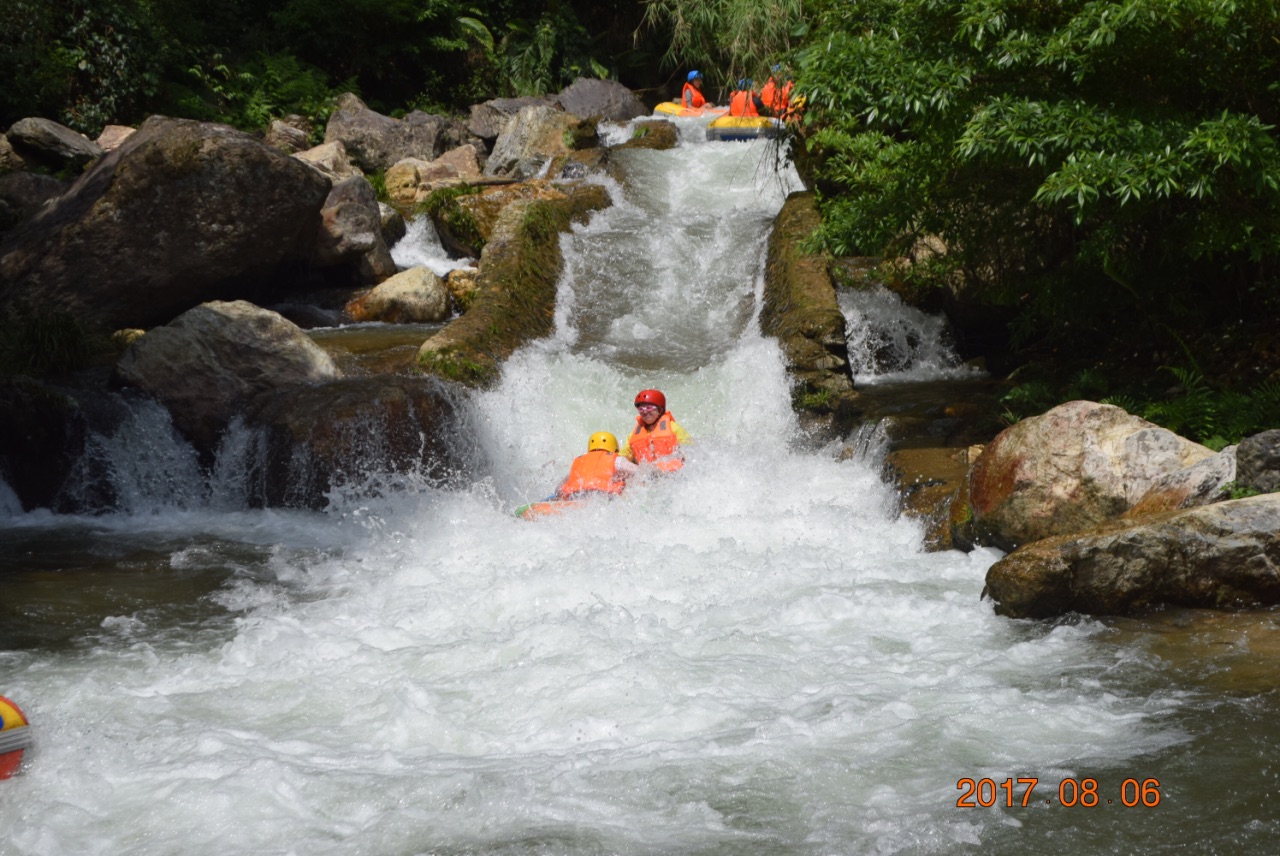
(691, 96)
(746, 101)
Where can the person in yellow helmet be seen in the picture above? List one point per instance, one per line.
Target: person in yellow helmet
(600, 470)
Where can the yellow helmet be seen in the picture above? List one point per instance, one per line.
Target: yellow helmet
(602, 440)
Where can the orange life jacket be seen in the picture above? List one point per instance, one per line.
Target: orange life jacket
(656, 444)
(592, 472)
(742, 103)
(691, 97)
(776, 98)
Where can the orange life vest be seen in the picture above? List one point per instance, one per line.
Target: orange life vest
(656, 444)
(691, 97)
(592, 472)
(743, 103)
(776, 98)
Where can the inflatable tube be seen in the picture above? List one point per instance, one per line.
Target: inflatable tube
(545, 508)
(739, 128)
(675, 108)
(15, 737)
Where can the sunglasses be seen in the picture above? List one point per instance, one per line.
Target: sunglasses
(646, 407)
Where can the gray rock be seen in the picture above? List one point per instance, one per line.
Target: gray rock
(375, 141)
(604, 99)
(211, 360)
(1220, 556)
(51, 143)
(489, 120)
(531, 138)
(351, 232)
(1258, 461)
(182, 212)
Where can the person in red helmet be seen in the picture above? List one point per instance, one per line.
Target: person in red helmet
(657, 436)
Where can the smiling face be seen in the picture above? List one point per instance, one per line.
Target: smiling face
(649, 413)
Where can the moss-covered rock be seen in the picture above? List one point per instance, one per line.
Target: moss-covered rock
(801, 311)
(515, 289)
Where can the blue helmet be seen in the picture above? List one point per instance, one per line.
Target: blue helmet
(692, 75)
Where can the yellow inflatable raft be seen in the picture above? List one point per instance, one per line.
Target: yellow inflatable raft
(728, 128)
(15, 737)
(675, 108)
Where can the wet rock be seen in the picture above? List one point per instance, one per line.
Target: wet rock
(42, 434)
(348, 433)
(1221, 556)
(392, 223)
(514, 297)
(800, 310)
(658, 134)
(210, 361)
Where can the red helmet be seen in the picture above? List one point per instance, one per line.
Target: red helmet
(652, 396)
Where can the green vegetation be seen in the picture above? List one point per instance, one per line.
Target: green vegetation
(88, 64)
(1186, 403)
(1001, 128)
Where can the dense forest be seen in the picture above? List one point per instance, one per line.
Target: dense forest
(1098, 182)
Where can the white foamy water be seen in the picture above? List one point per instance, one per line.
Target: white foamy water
(755, 656)
(421, 247)
(891, 342)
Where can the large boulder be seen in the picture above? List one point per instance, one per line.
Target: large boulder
(376, 142)
(1258, 461)
(1223, 555)
(182, 212)
(489, 120)
(604, 99)
(24, 194)
(10, 159)
(414, 296)
(49, 143)
(350, 233)
(1077, 466)
(346, 433)
(533, 137)
(211, 360)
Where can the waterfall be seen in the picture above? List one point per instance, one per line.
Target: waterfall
(753, 656)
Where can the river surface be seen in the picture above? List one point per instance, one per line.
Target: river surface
(754, 657)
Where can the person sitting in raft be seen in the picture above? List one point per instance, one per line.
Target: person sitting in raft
(746, 101)
(600, 470)
(657, 436)
(777, 97)
(691, 96)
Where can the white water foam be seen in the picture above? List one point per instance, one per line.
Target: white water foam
(754, 656)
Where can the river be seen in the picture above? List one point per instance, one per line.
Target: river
(755, 657)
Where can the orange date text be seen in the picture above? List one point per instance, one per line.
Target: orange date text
(1071, 793)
